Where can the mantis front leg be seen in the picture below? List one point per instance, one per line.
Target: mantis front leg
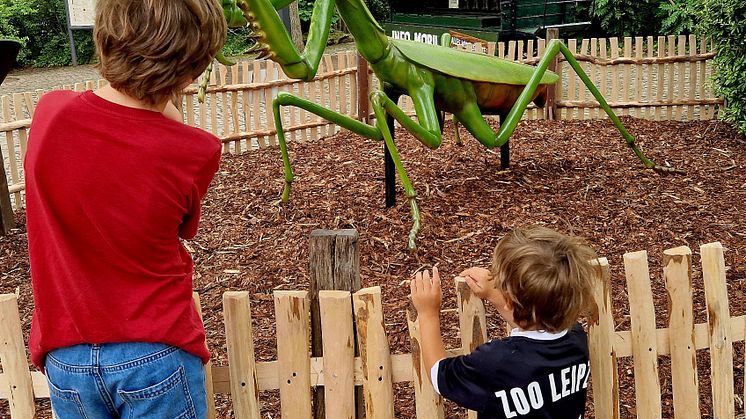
(428, 133)
(273, 39)
(381, 105)
(344, 121)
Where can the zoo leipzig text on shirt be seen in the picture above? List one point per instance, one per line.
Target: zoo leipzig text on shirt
(569, 381)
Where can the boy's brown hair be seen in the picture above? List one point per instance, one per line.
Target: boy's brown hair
(547, 277)
(148, 49)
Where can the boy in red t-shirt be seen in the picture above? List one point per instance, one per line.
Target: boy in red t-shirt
(540, 282)
(113, 182)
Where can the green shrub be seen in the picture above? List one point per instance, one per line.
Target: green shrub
(724, 21)
(8, 14)
(12, 12)
(643, 17)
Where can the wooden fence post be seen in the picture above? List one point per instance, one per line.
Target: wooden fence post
(339, 354)
(472, 321)
(644, 344)
(240, 343)
(551, 105)
(6, 209)
(293, 359)
(428, 403)
(334, 265)
(677, 271)
(20, 389)
(600, 341)
(374, 354)
(721, 342)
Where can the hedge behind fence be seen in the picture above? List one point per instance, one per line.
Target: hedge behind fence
(724, 21)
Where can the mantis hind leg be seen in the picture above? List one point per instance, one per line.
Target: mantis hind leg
(474, 121)
(456, 135)
(505, 148)
(553, 48)
(381, 103)
(605, 106)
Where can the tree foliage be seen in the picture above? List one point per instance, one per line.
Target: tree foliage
(646, 17)
(628, 17)
(679, 16)
(724, 21)
(305, 10)
(381, 10)
(41, 26)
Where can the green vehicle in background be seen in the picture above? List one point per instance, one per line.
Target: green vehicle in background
(484, 20)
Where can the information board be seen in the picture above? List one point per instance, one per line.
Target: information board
(82, 13)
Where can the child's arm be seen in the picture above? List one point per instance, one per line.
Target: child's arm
(481, 283)
(461, 378)
(426, 297)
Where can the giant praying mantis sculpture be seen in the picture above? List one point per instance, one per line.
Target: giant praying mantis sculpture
(437, 79)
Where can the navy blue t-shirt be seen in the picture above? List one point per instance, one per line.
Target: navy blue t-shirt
(527, 375)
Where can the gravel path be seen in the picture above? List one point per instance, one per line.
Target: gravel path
(30, 79)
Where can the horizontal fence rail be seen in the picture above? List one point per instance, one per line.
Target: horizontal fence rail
(661, 78)
(295, 372)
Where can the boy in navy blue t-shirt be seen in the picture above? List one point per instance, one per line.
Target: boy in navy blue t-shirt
(540, 283)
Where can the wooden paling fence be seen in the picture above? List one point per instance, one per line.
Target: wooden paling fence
(238, 104)
(660, 78)
(663, 78)
(338, 370)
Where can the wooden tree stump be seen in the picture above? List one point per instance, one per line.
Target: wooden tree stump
(334, 265)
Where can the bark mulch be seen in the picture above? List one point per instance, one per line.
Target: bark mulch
(574, 176)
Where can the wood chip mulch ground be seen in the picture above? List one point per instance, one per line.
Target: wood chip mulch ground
(573, 176)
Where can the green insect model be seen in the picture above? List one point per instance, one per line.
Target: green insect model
(437, 79)
(235, 19)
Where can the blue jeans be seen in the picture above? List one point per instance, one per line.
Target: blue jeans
(126, 380)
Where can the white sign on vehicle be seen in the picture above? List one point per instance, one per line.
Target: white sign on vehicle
(82, 13)
(453, 4)
(425, 38)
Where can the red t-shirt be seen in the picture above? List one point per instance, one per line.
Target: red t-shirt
(109, 191)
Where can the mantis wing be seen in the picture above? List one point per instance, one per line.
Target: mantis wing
(470, 65)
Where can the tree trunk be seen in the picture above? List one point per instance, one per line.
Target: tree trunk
(295, 32)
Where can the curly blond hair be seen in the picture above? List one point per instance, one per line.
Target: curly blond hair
(547, 276)
(149, 49)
